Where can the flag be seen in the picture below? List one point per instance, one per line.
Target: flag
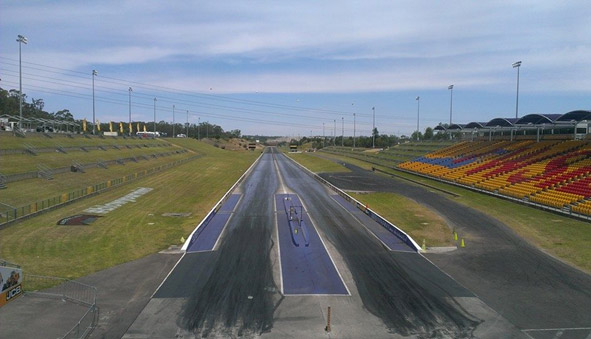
(130, 129)
(84, 125)
(145, 128)
(98, 125)
(121, 127)
(110, 126)
(137, 127)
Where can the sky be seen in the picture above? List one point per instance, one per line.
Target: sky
(290, 67)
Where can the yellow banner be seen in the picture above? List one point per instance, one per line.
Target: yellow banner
(145, 128)
(98, 125)
(121, 127)
(84, 125)
(137, 127)
(130, 129)
(110, 126)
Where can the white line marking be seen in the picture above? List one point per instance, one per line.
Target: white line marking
(557, 329)
(162, 283)
(215, 246)
(278, 245)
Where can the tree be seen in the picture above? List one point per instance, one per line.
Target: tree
(428, 133)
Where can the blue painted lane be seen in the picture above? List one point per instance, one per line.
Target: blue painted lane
(207, 235)
(393, 242)
(304, 269)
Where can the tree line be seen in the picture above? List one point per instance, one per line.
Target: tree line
(9, 105)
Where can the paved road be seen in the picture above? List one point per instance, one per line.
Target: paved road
(234, 290)
(534, 291)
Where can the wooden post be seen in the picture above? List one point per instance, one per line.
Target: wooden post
(327, 328)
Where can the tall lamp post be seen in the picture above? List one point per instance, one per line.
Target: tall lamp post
(94, 74)
(173, 129)
(198, 128)
(323, 135)
(334, 133)
(130, 90)
(354, 127)
(21, 40)
(418, 99)
(187, 127)
(155, 117)
(517, 65)
(451, 100)
(373, 136)
(342, 131)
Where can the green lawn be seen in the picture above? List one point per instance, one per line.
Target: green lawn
(316, 164)
(131, 231)
(414, 219)
(565, 238)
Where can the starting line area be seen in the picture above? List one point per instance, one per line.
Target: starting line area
(306, 266)
(208, 234)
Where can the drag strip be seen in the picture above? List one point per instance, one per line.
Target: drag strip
(306, 269)
(206, 237)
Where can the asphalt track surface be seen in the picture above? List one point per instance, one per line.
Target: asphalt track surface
(534, 291)
(234, 290)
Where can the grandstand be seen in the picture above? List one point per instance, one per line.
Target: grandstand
(554, 173)
(38, 168)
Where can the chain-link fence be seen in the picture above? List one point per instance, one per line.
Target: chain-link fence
(69, 291)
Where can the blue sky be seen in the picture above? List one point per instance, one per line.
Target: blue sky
(285, 68)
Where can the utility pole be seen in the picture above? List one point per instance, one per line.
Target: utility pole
(173, 129)
(155, 117)
(373, 135)
(342, 131)
(334, 133)
(23, 40)
(354, 127)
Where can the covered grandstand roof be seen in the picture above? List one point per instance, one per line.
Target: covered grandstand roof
(456, 126)
(475, 125)
(535, 119)
(575, 116)
(439, 128)
(501, 122)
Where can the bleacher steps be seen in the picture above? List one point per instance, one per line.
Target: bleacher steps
(44, 172)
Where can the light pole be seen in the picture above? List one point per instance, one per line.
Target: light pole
(517, 65)
(342, 131)
(173, 129)
(323, 135)
(418, 99)
(130, 90)
(94, 74)
(451, 100)
(334, 133)
(21, 40)
(198, 128)
(354, 127)
(373, 135)
(155, 117)
(187, 124)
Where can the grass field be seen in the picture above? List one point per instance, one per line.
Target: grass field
(316, 164)
(38, 140)
(133, 230)
(562, 237)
